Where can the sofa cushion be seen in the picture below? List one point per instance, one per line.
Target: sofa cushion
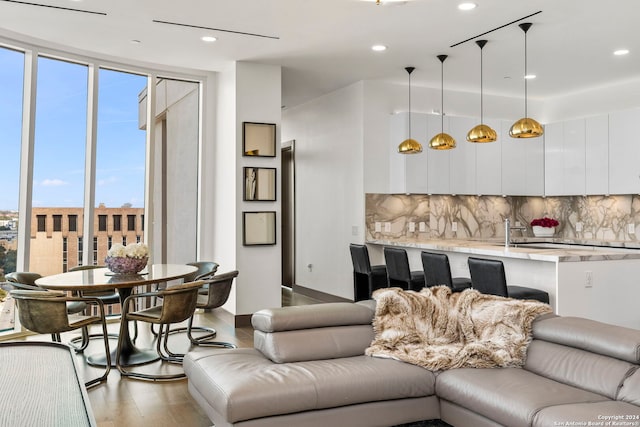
(314, 344)
(312, 316)
(630, 390)
(599, 413)
(579, 368)
(509, 396)
(590, 335)
(241, 384)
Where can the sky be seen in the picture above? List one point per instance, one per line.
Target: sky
(60, 134)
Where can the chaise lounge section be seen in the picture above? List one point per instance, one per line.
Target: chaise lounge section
(308, 368)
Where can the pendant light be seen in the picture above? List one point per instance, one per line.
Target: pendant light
(525, 127)
(442, 141)
(409, 146)
(481, 132)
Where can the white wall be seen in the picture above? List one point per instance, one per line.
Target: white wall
(246, 92)
(223, 191)
(329, 187)
(600, 100)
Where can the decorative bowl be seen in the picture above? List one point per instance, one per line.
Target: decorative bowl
(539, 231)
(126, 265)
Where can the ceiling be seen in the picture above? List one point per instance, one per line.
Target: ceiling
(324, 45)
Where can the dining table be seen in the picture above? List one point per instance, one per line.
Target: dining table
(100, 279)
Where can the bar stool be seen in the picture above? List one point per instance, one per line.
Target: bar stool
(399, 272)
(437, 271)
(366, 278)
(488, 277)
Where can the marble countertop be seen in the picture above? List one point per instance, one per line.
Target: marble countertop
(550, 250)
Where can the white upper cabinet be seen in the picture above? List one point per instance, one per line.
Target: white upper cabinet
(438, 169)
(408, 172)
(597, 154)
(553, 137)
(564, 160)
(522, 164)
(624, 152)
(489, 163)
(462, 160)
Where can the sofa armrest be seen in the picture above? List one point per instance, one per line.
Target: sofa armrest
(313, 332)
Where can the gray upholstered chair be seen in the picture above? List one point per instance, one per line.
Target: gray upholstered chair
(108, 297)
(488, 276)
(45, 312)
(205, 270)
(27, 281)
(178, 304)
(218, 290)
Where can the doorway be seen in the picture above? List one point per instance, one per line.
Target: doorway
(288, 214)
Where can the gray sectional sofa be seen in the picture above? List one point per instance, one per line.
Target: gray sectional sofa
(308, 368)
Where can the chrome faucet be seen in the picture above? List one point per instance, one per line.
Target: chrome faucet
(507, 231)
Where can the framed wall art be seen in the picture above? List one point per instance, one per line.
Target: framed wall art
(258, 228)
(259, 184)
(258, 139)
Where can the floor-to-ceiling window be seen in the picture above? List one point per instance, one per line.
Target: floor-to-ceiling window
(120, 158)
(58, 157)
(11, 83)
(75, 162)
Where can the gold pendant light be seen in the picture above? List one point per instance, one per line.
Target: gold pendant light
(409, 146)
(442, 141)
(525, 127)
(481, 132)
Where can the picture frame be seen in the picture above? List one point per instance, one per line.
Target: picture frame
(259, 228)
(258, 139)
(259, 184)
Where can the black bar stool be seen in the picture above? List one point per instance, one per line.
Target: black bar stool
(366, 278)
(488, 277)
(399, 272)
(437, 271)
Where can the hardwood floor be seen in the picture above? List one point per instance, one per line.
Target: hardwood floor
(122, 402)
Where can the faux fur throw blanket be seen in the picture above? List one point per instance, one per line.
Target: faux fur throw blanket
(438, 329)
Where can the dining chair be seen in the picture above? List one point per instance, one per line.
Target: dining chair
(488, 276)
(366, 277)
(27, 281)
(218, 290)
(205, 270)
(45, 312)
(437, 271)
(399, 272)
(178, 304)
(109, 297)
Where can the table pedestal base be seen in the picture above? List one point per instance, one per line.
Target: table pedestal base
(134, 358)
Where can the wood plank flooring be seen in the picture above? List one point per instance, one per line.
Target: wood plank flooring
(124, 402)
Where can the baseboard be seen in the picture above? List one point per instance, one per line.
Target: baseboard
(321, 296)
(242, 320)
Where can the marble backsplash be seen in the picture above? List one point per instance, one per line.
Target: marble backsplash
(592, 218)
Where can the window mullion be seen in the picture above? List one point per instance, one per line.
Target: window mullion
(90, 163)
(26, 158)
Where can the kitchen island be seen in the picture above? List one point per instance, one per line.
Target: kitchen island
(596, 282)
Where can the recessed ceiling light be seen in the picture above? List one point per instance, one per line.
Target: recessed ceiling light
(530, 76)
(467, 6)
(209, 39)
(621, 52)
(378, 47)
